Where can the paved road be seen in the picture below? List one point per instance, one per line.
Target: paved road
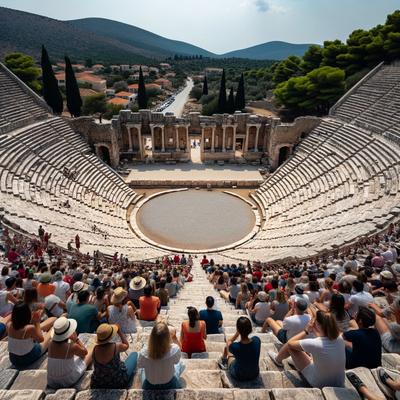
(177, 106)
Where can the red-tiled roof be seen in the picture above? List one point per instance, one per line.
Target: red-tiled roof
(120, 94)
(118, 101)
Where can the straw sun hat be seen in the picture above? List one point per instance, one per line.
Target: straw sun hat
(119, 295)
(105, 333)
(137, 283)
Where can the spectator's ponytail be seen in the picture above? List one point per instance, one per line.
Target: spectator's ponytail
(328, 325)
(193, 316)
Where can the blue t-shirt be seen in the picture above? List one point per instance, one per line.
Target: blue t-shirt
(247, 356)
(367, 348)
(211, 318)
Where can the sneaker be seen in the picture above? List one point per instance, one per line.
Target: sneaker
(383, 377)
(223, 363)
(272, 355)
(355, 381)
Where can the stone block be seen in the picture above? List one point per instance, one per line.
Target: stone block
(84, 382)
(366, 376)
(21, 394)
(204, 394)
(390, 360)
(102, 394)
(214, 355)
(201, 379)
(298, 394)
(62, 394)
(255, 394)
(31, 379)
(151, 395)
(199, 364)
(333, 393)
(7, 377)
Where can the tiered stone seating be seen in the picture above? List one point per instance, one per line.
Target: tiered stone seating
(375, 103)
(17, 107)
(341, 183)
(202, 378)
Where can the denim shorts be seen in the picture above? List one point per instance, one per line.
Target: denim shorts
(282, 335)
(21, 362)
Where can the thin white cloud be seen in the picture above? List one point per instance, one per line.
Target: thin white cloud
(262, 5)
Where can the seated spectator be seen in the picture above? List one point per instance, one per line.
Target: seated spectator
(389, 385)
(162, 293)
(390, 334)
(363, 345)
(161, 360)
(100, 300)
(279, 307)
(212, 318)
(7, 297)
(299, 293)
(337, 308)
(149, 305)
(86, 315)
(220, 284)
(53, 306)
(328, 291)
(136, 289)
(234, 290)
(243, 297)
(293, 323)
(62, 289)
(121, 312)
(313, 292)
(193, 333)
(242, 358)
(321, 360)
(109, 372)
(27, 340)
(45, 287)
(360, 299)
(260, 311)
(68, 357)
(76, 289)
(172, 286)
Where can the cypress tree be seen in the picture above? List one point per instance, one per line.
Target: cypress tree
(222, 95)
(142, 96)
(74, 101)
(205, 86)
(230, 108)
(51, 92)
(240, 101)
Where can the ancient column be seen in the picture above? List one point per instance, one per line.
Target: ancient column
(162, 138)
(256, 142)
(223, 138)
(187, 139)
(212, 139)
(177, 137)
(246, 141)
(140, 140)
(153, 146)
(202, 139)
(128, 128)
(234, 139)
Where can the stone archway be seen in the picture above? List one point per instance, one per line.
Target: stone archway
(103, 152)
(284, 153)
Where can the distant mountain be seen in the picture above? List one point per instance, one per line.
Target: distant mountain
(270, 51)
(108, 41)
(26, 32)
(147, 42)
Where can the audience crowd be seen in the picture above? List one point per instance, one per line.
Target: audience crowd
(331, 314)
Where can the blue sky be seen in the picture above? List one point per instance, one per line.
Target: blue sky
(224, 25)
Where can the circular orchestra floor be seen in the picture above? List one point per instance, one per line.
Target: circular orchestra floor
(195, 219)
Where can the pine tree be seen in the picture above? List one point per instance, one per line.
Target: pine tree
(51, 92)
(74, 101)
(222, 95)
(205, 86)
(230, 108)
(141, 96)
(240, 101)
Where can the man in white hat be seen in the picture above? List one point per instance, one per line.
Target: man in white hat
(136, 289)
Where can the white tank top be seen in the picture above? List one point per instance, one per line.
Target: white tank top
(121, 317)
(20, 347)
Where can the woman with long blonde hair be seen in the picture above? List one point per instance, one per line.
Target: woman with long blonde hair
(160, 360)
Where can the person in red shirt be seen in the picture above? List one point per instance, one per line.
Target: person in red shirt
(176, 259)
(204, 261)
(258, 274)
(13, 256)
(149, 305)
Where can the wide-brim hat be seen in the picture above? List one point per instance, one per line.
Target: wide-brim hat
(63, 328)
(262, 296)
(105, 333)
(79, 286)
(119, 295)
(45, 278)
(137, 283)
